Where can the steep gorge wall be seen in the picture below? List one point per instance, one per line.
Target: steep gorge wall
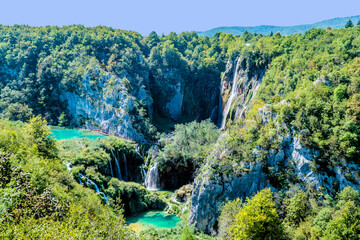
(107, 104)
(217, 184)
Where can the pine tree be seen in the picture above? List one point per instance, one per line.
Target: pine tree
(349, 24)
(358, 24)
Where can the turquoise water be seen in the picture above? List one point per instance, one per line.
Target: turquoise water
(66, 134)
(157, 219)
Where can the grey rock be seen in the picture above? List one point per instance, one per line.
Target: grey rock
(208, 194)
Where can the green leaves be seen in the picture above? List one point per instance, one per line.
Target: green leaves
(258, 219)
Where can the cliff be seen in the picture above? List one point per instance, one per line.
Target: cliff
(291, 164)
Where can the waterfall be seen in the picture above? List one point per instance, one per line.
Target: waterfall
(232, 95)
(111, 169)
(143, 170)
(89, 182)
(242, 111)
(169, 207)
(126, 172)
(117, 166)
(68, 166)
(152, 180)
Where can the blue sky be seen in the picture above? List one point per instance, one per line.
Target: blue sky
(165, 16)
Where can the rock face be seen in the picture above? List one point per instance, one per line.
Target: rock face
(238, 87)
(107, 105)
(210, 192)
(173, 107)
(213, 186)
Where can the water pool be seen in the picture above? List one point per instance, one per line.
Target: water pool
(66, 134)
(156, 219)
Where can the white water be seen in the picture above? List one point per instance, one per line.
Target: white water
(152, 180)
(117, 166)
(68, 166)
(126, 172)
(242, 111)
(90, 182)
(232, 95)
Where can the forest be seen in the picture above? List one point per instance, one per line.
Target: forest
(297, 133)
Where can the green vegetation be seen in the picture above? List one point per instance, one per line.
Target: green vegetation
(310, 91)
(189, 144)
(257, 219)
(312, 84)
(349, 24)
(184, 151)
(304, 216)
(227, 217)
(39, 198)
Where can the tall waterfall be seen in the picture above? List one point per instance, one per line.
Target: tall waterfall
(152, 180)
(117, 166)
(232, 95)
(126, 171)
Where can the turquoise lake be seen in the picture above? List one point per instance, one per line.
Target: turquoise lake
(66, 134)
(157, 219)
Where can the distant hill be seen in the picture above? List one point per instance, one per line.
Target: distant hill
(284, 30)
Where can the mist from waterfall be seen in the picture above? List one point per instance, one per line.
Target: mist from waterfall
(152, 180)
(232, 95)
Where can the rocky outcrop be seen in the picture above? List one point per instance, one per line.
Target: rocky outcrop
(302, 161)
(210, 191)
(216, 183)
(174, 106)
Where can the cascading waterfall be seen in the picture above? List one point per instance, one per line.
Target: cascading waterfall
(88, 181)
(152, 180)
(232, 95)
(242, 111)
(117, 166)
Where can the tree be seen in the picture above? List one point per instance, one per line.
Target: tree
(298, 208)
(345, 224)
(349, 24)
(187, 234)
(358, 23)
(40, 136)
(227, 216)
(258, 219)
(63, 119)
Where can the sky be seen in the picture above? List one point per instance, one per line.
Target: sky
(168, 16)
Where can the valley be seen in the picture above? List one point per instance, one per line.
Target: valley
(107, 134)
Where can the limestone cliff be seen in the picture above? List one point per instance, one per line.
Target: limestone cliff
(107, 104)
(216, 183)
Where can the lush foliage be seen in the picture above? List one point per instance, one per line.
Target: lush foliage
(257, 219)
(39, 198)
(298, 215)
